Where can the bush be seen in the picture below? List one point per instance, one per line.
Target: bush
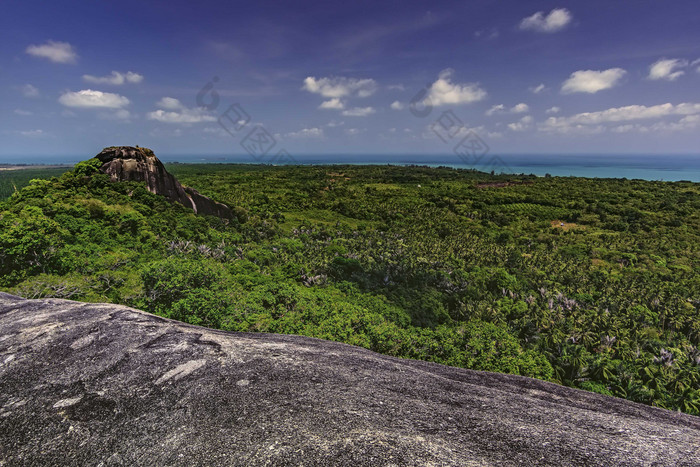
(88, 167)
(169, 281)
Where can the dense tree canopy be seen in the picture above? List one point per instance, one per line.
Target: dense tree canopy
(593, 284)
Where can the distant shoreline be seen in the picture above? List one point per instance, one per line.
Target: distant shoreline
(32, 166)
(670, 168)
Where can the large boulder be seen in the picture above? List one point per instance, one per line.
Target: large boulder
(127, 163)
(101, 384)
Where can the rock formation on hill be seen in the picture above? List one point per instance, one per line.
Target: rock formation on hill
(102, 384)
(127, 163)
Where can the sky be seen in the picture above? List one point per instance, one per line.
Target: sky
(339, 77)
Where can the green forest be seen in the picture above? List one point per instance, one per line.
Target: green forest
(589, 283)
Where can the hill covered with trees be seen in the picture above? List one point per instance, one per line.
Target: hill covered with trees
(593, 284)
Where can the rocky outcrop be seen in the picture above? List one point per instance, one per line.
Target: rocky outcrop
(100, 384)
(127, 163)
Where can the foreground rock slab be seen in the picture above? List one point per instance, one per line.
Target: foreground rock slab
(100, 384)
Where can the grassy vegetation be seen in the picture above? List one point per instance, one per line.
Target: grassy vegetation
(444, 265)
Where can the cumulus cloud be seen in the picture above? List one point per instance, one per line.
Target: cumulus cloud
(556, 20)
(57, 52)
(445, 92)
(334, 104)
(116, 78)
(336, 87)
(668, 69)
(552, 110)
(29, 91)
(591, 81)
(354, 131)
(690, 112)
(359, 112)
(496, 109)
(169, 103)
(520, 108)
(521, 125)
(500, 108)
(634, 112)
(173, 111)
(306, 133)
(538, 89)
(88, 98)
(690, 122)
(396, 105)
(184, 116)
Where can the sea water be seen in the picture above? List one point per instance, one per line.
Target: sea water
(645, 167)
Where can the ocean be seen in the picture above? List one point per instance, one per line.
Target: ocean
(645, 167)
(665, 168)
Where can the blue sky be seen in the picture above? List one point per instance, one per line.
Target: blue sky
(338, 77)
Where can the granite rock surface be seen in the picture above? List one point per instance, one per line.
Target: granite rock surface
(127, 163)
(102, 384)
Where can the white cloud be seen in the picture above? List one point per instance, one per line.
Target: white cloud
(574, 129)
(183, 116)
(445, 92)
(595, 121)
(496, 109)
(538, 89)
(556, 20)
(335, 104)
(24, 113)
(623, 128)
(359, 112)
(592, 81)
(689, 122)
(173, 111)
(552, 110)
(307, 133)
(88, 98)
(57, 52)
(396, 105)
(31, 133)
(333, 124)
(632, 112)
(29, 91)
(340, 87)
(668, 69)
(521, 125)
(116, 78)
(500, 108)
(520, 108)
(169, 103)
(354, 131)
